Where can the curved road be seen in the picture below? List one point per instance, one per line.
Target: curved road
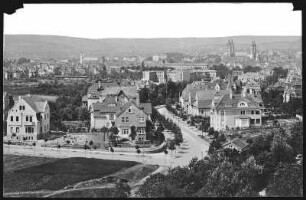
(192, 146)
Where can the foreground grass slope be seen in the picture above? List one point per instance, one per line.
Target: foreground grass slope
(55, 174)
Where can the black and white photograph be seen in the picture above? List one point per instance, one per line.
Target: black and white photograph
(147, 100)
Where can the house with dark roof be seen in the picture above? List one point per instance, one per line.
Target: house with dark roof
(232, 111)
(114, 107)
(28, 119)
(238, 144)
(196, 97)
(99, 91)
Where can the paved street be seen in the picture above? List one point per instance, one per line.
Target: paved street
(192, 146)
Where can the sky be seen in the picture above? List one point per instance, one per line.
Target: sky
(155, 20)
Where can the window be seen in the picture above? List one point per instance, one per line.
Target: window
(252, 112)
(30, 118)
(222, 113)
(27, 118)
(17, 129)
(111, 117)
(23, 107)
(12, 118)
(257, 121)
(257, 112)
(141, 119)
(125, 131)
(20, 107)
(125, 119)
(17, 118)
(242, 112)
(29, 129)
(142, 130)
(130, 110)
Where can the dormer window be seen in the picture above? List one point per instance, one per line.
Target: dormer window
(242, 104)
(130, 110)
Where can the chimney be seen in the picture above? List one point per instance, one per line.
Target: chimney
(99, 84)
(243, 93)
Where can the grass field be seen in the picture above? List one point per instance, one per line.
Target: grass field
(33, 173)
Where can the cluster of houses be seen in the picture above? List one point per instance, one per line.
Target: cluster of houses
(112, 105)
(218, 101)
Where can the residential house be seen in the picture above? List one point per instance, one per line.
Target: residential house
(94, 92)
(232, 111)
(103, 114)
(252, 87)
(195, 97)
(121, 111)
(28, 119)
(135, 115)
(292, 90)
(238, 144)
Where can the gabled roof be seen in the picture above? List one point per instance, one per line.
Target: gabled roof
(229, 103)
(205, 94)
(37, 105)
(147, 107)
(238, 143)
(93, 89)
(129, 91)
(204, 103)
(104, 108)
(252, 84)
(124, 107)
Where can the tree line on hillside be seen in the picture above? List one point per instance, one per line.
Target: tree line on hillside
(269, 164)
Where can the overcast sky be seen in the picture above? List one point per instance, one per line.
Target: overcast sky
(155, 20)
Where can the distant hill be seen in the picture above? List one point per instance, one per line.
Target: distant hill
(61, 47)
